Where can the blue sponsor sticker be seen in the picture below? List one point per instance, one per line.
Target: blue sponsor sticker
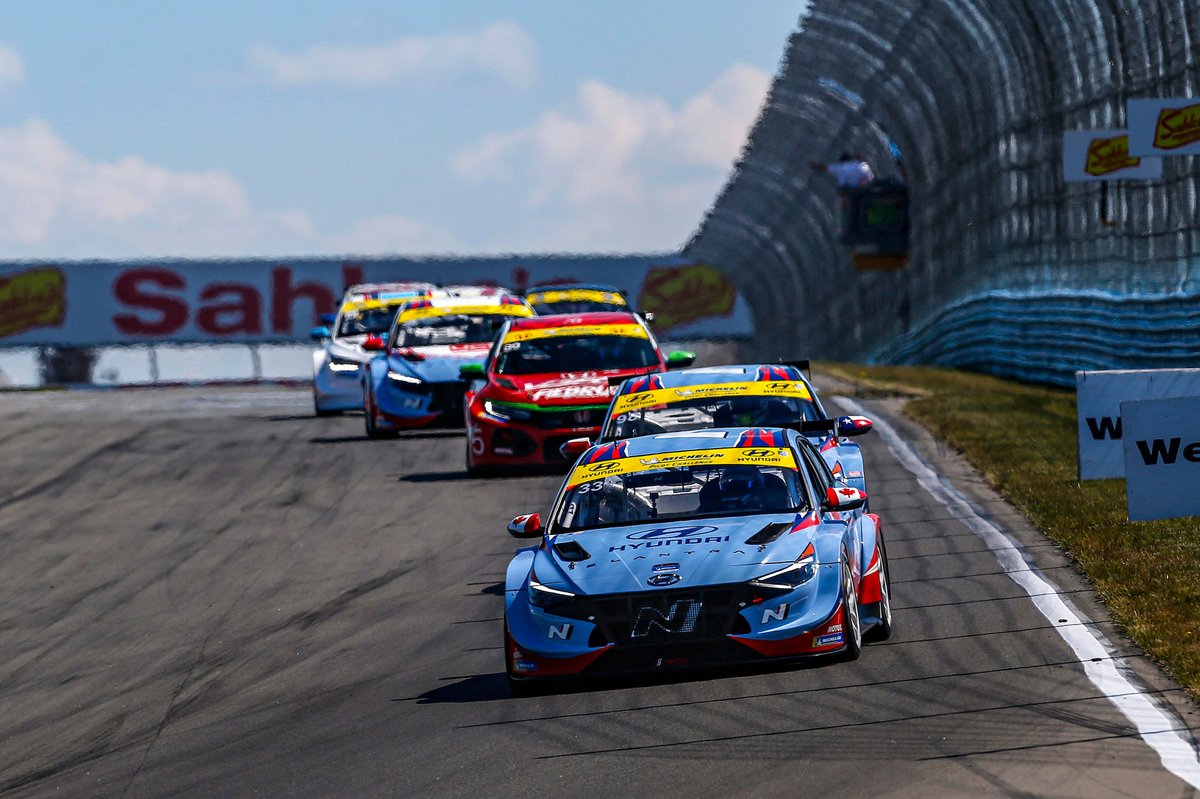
(526, 665)
(826, 640)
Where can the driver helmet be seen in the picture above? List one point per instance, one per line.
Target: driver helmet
(740, 486)
(748, 412)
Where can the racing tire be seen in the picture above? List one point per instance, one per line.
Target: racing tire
(474, 471)
(373, 431)
(883, 608)
(852, 617)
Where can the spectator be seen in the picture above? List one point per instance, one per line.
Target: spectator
(849, 172)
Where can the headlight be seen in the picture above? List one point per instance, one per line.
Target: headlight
(341, 366)
(789, 577)
(508, 412)
(396, 377)
(544, 597)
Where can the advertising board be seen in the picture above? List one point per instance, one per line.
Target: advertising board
(104, 303)
(1164, 126)
(1094, 155)
(1162, 457)
(1099, 396)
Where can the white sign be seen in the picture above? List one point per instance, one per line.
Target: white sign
(1099, 396)
(1162, 457)
(1164, 126)
(128, 302)
(1091, 155)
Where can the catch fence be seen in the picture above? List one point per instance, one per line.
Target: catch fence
(975, 95)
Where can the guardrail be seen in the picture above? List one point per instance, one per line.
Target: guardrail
(1046, 336)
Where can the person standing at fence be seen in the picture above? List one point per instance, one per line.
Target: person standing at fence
(849, 171)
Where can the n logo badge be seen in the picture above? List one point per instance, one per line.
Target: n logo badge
(680, 619)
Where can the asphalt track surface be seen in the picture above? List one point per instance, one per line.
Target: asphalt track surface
(207, 592)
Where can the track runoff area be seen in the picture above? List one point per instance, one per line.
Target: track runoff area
(208, 592)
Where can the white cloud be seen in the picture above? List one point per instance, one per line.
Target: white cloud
(630, 171)
(502, 50)
(55, 202)
(12, 68)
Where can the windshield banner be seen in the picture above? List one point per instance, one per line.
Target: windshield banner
(753, 456)
(667, 396)
(464, 310)
(575, 295)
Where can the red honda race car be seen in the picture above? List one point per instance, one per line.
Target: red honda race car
(548, 379)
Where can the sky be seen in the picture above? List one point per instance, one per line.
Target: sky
(135, 129)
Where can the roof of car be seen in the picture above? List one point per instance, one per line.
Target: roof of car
(711, 438)
(575, 320)
(707, 375)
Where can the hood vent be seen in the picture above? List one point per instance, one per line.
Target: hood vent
(769, 533)
(571, 551)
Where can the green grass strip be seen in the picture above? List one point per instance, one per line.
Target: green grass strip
(1022, 438)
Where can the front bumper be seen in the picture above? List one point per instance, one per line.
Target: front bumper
(337, 391)
(423, 405)
(499, 442)
(653, 631)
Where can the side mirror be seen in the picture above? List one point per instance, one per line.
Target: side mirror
(373, 343)
(319, 333)
(527, 526)
(853, 425)
(327, 318)
(573, 448)
(680, 359)
(841, 498)
(471, 371)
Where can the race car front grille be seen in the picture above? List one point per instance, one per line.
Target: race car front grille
(447, 398)
(569, 419)
(655, 618)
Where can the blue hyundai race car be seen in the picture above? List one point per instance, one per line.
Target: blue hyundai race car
(717, 546)
(763, 395)
(415, 381)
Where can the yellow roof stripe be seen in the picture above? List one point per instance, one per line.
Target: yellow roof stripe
(669, 396)
(575, 295)
(627, 330)
(754, 456)
(465, 310)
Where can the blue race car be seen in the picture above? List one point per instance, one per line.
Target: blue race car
(718, 546)
(765, 395)
(415, 381)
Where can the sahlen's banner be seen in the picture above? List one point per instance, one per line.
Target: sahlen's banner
(123, 302)
(1164, 126)
(1092, 155)
(1162, 457)
(1099, 396)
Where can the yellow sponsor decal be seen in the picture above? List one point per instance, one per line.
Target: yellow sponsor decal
(629, 331)
(1177, 127)
(754, 456)
(35, 298)
(374, 305)
(1105, 156)
(465, 310)
(575, 295)
(669, 396)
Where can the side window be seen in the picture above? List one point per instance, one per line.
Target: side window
(818, 471)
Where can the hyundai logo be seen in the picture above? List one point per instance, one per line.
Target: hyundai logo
(659, 580)
(672, 532)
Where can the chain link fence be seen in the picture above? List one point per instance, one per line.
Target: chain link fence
(976, 95)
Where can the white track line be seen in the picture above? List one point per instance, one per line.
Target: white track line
(1110, 674)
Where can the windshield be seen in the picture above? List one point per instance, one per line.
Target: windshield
(576, 307)
(574, 354)
(456, 329)
(362, 321)
(697, 414)
(680, 493)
